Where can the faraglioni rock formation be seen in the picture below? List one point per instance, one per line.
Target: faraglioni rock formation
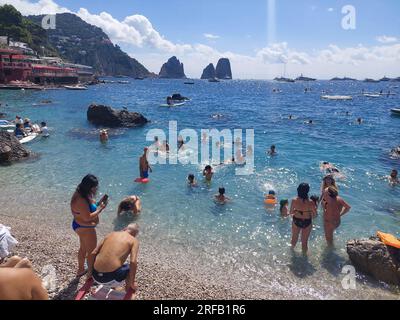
(209, 72)
(223, 70)
(11, 149)
(106, 116)
(374, 258)
(172, 69)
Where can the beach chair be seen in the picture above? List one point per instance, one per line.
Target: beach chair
(102, 292)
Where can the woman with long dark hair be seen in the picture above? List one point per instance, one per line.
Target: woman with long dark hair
(303, 210)
(86, 217)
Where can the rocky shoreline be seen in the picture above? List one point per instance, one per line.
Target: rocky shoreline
(49, 244)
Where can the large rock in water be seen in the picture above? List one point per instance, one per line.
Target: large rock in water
(372, 257)
(209, 72)
(11, 149)
(106, 116)
(172, 69)
(224, 70)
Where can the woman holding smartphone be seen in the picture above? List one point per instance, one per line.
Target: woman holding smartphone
(86, 217)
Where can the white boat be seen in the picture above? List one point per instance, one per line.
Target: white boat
(396, 111)
(327, 97)
(371, 95)
(173, 105)
(78, 87)
(5, 125)
(28, 138)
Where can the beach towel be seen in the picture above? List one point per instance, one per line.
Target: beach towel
(389, 239)
(7, 241)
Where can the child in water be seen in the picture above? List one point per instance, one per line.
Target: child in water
(220, 197)
(192, 181)
(208, 173)
(284, 207)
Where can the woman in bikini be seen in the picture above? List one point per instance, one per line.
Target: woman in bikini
(86, 217)
(303, 210)
(334, 208)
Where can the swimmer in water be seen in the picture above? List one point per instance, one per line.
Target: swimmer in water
(359, 120)
(131, 205)
(393, 178)
(208, 173)
(272, 151)
(220, 197)
(270, 200)
(284, 207)
(192, 181)
(103, 135)
(290, 117)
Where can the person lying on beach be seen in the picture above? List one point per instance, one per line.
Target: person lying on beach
(130, 204)
(208, 173)
(192, 181)
(15, 262)
(393, 178)
(110, 257)
(334, 209)
(144, 166)
(220, 198)
(21, 283)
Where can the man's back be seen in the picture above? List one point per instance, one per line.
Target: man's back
(115, 250)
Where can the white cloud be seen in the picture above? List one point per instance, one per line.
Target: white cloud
(35, 8)
(386, 39)
(280, 53)
(211, 36)
(331, 9)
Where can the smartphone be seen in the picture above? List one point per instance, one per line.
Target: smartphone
(105, 199)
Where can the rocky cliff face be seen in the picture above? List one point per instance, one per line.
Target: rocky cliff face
(172, 69)
(209, 72)
(224, 70)
(11, 149)
(106, 116)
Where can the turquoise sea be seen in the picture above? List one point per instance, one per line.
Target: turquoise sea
(240, 243)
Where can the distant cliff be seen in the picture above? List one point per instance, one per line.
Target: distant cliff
(172, 69)
(223, 70)
(82, 43)
(209, 72)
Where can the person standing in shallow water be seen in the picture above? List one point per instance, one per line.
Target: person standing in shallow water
(334, 209)
(303, 211)
(86, 217)
(144, 166)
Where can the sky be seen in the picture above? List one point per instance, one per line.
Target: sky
(317, 38)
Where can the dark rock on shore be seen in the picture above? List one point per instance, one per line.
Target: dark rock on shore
(11, 149)
(372, 257)
(209, 72)
(106, 116)
(173, 69)
(223, 70)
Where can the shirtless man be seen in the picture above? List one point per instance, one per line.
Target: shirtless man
(144, 166)
(21, 283)
(110, 257)
(334, 209)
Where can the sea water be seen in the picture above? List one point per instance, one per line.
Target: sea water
(241, 242)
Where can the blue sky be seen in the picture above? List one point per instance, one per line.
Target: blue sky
(308, 33)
